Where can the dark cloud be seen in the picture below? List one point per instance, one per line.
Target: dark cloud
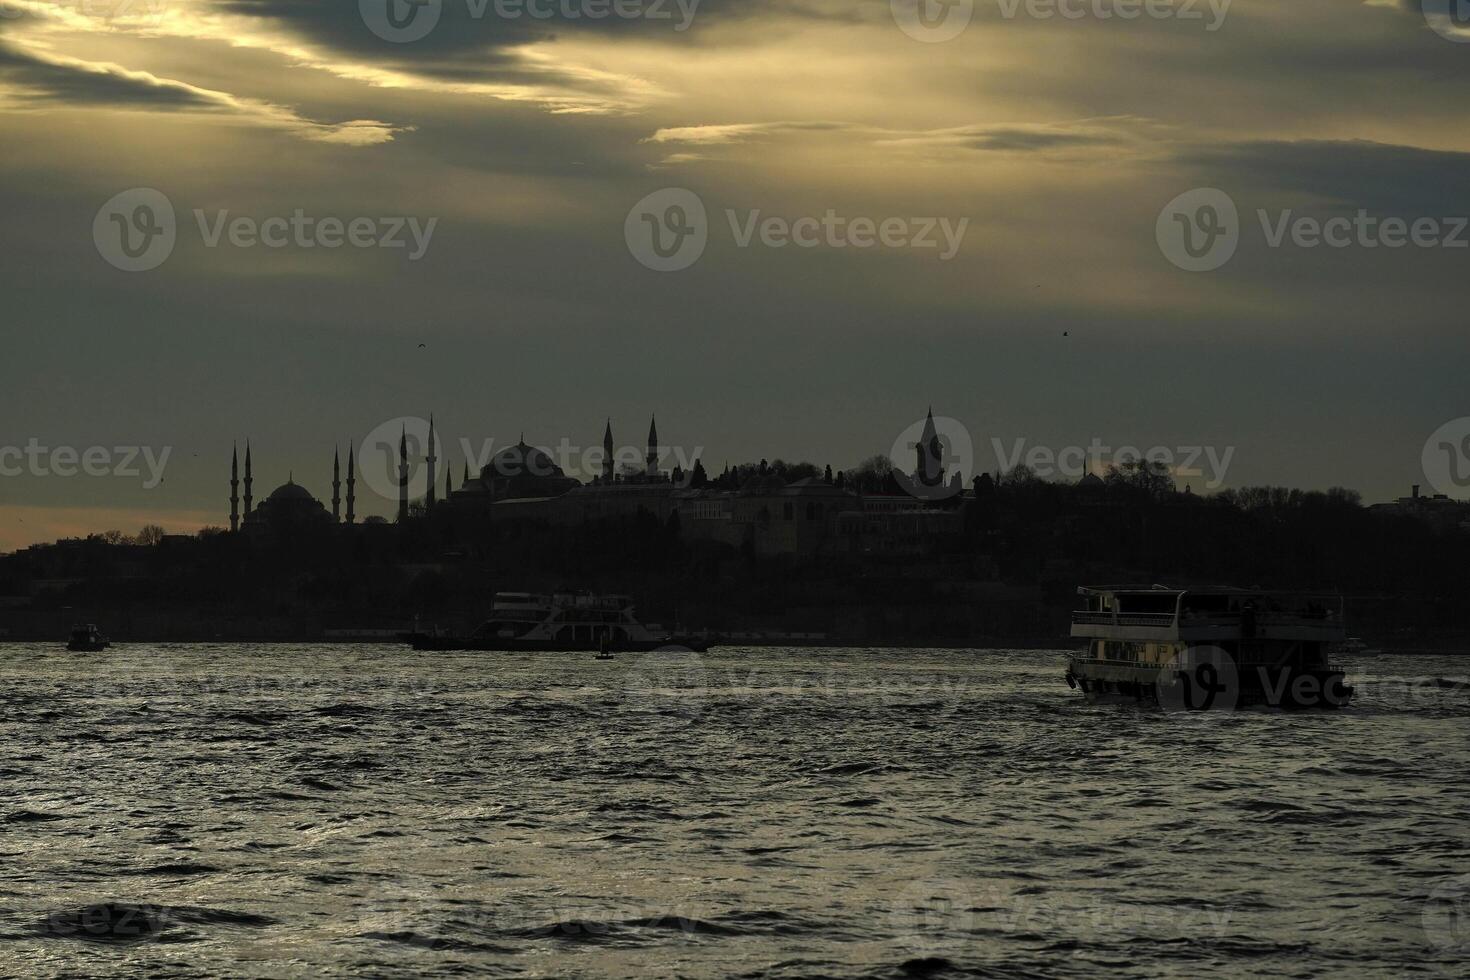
(470, 37)
(1404, 180)
(39, 80)
(1028, 140)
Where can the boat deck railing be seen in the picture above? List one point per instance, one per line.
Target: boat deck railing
(1088, 618)
(1114, 662)
(1197, 621)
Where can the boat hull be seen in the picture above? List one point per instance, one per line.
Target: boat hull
(87, 647)
(426, 641)
(1289, 687)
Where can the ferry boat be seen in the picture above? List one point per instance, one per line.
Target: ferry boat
(1202, 648)
(87, 639)
(562, 621)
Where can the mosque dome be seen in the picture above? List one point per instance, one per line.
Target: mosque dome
(291, 491)
(522, 471)
(520, 460)
(289, 504)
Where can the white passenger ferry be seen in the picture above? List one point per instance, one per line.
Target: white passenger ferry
(558, 621)
(1201, 648)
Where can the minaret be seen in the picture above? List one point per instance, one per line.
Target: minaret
(466, 480)
(929, 453)
(607, 453)
(336, 486)
(430, 460)
(234, 488)
(652, 446)
(447, 488)
(403, 475)
(248, 509)
(351, 480)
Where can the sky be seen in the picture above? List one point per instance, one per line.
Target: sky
(1061, 224)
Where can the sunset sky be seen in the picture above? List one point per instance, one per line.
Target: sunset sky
(526, 141)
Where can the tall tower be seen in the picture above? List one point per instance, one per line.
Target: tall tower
(447, 488)
(652, 446)
(234, 488)
(403, 476)
(336, 486)
(929, 455)
(607, 453)
(248, 509)
(351, 480)
(430, 460)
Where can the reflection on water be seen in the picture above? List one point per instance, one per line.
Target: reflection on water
(293, 811)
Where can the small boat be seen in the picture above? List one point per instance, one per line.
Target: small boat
(1203, 648)
(87, 639)
(563, 622)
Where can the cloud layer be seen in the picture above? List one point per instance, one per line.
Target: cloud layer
(530, 139)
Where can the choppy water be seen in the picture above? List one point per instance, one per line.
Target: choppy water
(304, 811)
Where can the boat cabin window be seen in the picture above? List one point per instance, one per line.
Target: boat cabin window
(1205, 605)
(1162, 602)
